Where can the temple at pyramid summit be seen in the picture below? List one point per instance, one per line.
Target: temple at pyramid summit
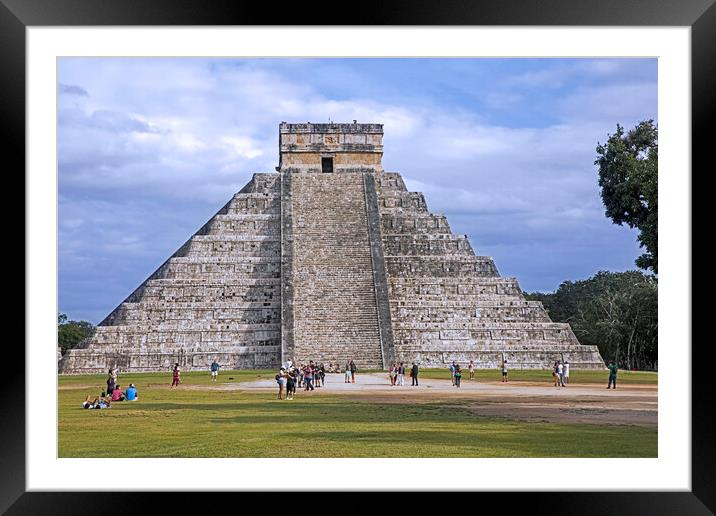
(330, 258)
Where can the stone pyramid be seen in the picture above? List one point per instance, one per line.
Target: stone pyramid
(329, 259)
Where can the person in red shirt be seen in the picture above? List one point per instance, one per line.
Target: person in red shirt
(117, 394)
(175, 375)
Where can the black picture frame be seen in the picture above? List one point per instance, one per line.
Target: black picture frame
(17, 15)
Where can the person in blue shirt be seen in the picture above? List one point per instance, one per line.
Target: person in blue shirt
(214, 370)
(131, 393)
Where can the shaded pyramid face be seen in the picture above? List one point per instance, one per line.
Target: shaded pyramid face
(329, 260)
(218, 297)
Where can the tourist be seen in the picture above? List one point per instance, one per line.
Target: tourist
(291, 384)
(87, 404)
(117, 394)
(102, 402)
(347, 373)
(401, 374)
(322, 372)
(354, 369)
(458, 375)
(279, 380)
(414, 374)
(300, 375)
(612, 374)
(566, 372)
(214, 370)
(555, 374)
(504, 370)
(471, 369)
(391, 374)
(307, 377)
(282, 380)
(452, 373)
(560, 373)
(131, 393)
(175, 376)
(111, 380)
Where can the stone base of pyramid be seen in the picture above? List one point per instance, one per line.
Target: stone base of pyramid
(88, 361)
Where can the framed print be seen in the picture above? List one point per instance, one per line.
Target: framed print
(426, 155)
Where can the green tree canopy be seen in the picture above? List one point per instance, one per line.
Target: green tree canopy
(615, 311)
(71, 333)
(628, 178)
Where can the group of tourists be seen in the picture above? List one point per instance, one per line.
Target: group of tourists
(456, 372)
(113, 393)
(309, 376)
(396, 374)
(560, 372)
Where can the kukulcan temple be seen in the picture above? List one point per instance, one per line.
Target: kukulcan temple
(329, 258)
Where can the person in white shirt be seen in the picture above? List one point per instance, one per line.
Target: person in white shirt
(566, 372)
(560, 374)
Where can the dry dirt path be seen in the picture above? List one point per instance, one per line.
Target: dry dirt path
(582, 403)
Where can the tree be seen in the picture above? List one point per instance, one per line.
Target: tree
(71, 333)
(628, 178)
(616, 311)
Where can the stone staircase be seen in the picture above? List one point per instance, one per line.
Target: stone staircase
(326, 267)
(334, 299)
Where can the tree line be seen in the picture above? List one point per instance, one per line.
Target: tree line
(615, 311)
(71, 333)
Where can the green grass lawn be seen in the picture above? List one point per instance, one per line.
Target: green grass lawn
(192, 421)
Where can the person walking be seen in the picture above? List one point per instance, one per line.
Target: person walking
(452, 373)
(560, 374)
(214, 370)
(414, 374)
(471, 369)
(176, 374)
(612, 374)
(354, 370)
(504, 370)
(391, 373)
(458, 375)
(401, 374)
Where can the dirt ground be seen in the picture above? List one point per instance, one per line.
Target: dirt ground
(583, 403)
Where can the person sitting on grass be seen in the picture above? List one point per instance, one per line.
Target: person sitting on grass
(101, 402)
(104, 402)
(117, 394)
(131, 394)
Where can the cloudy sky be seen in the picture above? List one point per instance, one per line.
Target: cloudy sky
(150, 149)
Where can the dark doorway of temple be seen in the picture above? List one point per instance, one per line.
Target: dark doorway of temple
(327, 164)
